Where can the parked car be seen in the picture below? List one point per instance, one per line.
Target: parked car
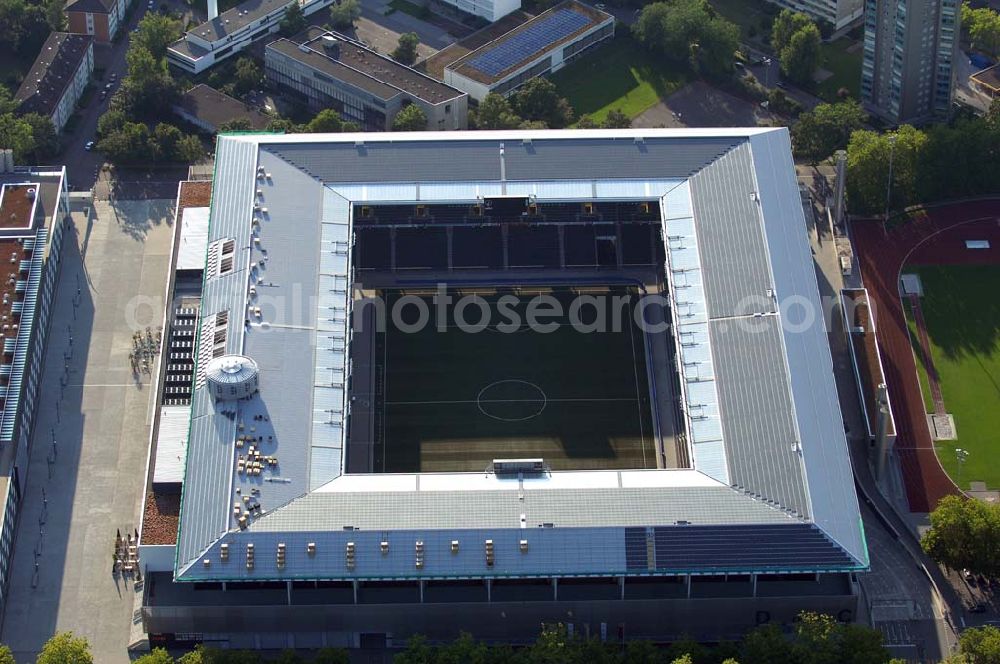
(109, 87)
(89, 146)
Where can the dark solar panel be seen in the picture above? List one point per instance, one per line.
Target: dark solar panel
(635, 549)
(525, 44)
(744, 547)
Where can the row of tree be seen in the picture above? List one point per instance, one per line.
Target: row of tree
(136, 129)
(940, 162)
(815, 639)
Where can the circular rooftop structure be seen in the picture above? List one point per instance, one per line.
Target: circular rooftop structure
(232, 377)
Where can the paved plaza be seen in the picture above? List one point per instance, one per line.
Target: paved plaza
(113, 279)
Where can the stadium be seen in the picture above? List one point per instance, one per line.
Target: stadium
(483, 380)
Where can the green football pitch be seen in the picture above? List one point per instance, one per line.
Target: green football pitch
(962, 314)
(454, 400)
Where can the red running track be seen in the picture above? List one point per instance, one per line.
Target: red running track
(937, 239)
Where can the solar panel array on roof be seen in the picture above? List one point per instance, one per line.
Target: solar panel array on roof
(777, 547)
(533, 39)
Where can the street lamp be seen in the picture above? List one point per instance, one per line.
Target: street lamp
(888, 185)
(767, 72)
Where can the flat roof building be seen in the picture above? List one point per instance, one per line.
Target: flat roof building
(838, 14)
(58, 77)
(33, 223)
(987, 81)
(539, 46)
(208, 109)
(294, 516)
(232, 31)
(330, 70)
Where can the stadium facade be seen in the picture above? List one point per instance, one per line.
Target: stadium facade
(296, 527)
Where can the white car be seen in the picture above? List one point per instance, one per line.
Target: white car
(89, 146)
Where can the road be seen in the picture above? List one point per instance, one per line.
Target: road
(82, 165)
(906, 596)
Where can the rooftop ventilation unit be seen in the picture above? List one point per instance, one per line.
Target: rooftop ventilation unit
(232, 377)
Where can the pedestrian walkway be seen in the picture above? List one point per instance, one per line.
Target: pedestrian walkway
(91, 435)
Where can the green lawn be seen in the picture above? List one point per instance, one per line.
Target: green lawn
(455, 399)
(846, 68)
(618, 75)
(963, 321)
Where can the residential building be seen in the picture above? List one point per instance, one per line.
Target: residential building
(491, 10)
(330, 70)
(232, 31)
(59, 76)
(34, 212)
(909, 54)
(100, 19)
(987, 81)
(838, 14)
(208, 109)
(292, 510)
(542, 45)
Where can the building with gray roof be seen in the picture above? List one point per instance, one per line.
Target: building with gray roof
(325, 69)
(289, 535)
(58, 77)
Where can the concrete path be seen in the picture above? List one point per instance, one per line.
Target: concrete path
(100, 422)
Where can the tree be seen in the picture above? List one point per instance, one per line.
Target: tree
(868, 167)
(7, 103)
(293, 22)
(965, 534)
(6, 656)
(411, 118)
(827, 128)
(800, 58)
(16, 134)
(979, 645)
(282, 126)
(148, 88)
(157, 656)
(326, 121)
(494, 112)
(113, 120)
(331, 656)
(786, 24)
(616, 119)
(163, 142)
(538, 99)
(983, 26)
(23, 25)
(130, 144)
(155, 33)
(236, 124)
(247, 76)
(689, 32)
(45, 136)
(188, 149)
(406, 48)
(64, 648)
(766, 645)
(55, 14)
(344, 13)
